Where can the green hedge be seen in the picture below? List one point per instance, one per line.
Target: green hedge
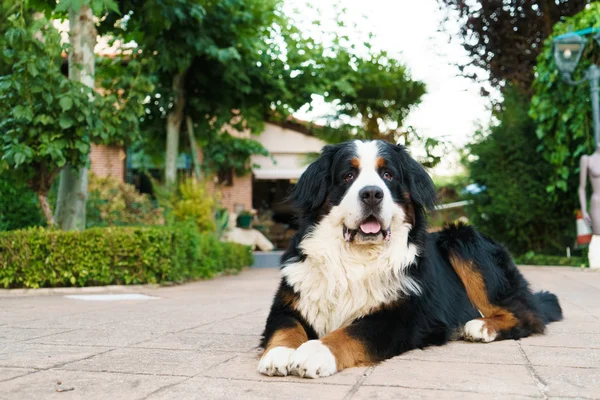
(38, 257)
(550, 260)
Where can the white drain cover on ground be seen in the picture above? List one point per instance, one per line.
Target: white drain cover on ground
(111, 297)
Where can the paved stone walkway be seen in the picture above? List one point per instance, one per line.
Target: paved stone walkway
(199, 341)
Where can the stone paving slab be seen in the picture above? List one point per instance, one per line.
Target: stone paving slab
(570, 382)
(151, 362)
(42, 356)
(205, 388)
(189, 340)
(11, 373)
(562, 357)
(504, 353)
(85, 385)
(243, 367)
(199, 341)
(440, 375)
(394, 393)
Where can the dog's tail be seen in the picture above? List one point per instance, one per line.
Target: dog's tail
(548, 304)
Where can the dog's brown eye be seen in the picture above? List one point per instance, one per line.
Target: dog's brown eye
(387, 176)
(349, 176)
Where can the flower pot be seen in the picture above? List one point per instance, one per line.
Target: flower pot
(244, 221)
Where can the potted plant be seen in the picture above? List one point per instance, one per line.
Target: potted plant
(244, 219)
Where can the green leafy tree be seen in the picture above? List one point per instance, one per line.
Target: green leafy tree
(514, 206)
(19, 207)
(236, 63)
(504, 37)
(49, 121)
(73, 189)
(375, 91)
(562, 112)
(371, 96)
(48, 117)
(206, 56)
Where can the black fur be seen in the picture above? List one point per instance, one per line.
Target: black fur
(548, 303)
(443, 307)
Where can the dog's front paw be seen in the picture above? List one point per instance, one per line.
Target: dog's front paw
(313, 360)
(276, 361)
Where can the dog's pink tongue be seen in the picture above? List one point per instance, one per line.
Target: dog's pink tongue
(370, 227)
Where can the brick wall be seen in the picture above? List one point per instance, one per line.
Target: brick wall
(108, 161)
(236, 197)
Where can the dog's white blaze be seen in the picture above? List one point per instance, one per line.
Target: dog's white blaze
(367, 153)
(339, 282)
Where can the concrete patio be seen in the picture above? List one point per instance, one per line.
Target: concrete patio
(199, 341)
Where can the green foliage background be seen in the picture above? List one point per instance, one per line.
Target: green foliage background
(47, 120)
(112, 202)
(19, 207)
(515, 208)
(562, 112)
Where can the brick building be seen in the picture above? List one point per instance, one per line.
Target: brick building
(108, 161)
(290, 146)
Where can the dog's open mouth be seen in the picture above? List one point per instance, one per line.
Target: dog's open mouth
(370, 228)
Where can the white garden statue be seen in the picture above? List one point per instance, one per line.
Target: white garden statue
(590, 167)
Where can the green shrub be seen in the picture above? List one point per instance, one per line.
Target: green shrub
(531, 258)
(515, 208)
(39, 257)
(189, 202)
(19, 206)
(193, 202)
(115, 203)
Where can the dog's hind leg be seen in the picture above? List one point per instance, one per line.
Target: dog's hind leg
(495, 287)
(494, 319)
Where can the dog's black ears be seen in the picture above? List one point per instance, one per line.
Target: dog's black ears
(313, 186)
(422, 189)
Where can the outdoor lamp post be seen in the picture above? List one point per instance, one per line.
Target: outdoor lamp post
(567, 52)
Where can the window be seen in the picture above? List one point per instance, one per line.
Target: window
(225, 177)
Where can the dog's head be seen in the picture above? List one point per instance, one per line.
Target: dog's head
(369, 187)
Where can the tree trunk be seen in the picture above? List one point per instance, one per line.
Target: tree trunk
(72, 192)
(194, 147)
(548, 8)
(72, 198)
(174, 120)
(46, 209)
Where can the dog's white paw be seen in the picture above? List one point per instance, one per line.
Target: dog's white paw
(313, 360)
(477, 331)
(276, 361)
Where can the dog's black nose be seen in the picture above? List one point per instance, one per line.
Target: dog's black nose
(371, 195)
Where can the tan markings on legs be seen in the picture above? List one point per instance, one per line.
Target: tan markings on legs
(496, 318)
(348, 351)
(291, 337)
(289, 298)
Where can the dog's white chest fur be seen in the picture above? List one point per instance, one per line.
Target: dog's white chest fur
(339, 282)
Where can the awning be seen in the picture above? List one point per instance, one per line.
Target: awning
(277, 173)
(279, 166)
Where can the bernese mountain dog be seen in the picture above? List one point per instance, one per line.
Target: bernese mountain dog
(363, 280)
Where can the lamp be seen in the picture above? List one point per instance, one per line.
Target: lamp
(567, 51)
